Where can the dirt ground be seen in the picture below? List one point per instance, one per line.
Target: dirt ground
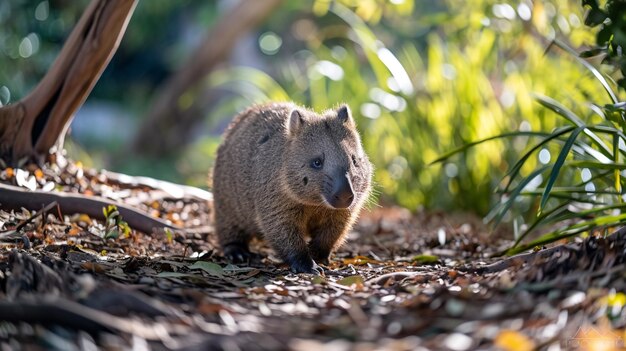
(403, 281)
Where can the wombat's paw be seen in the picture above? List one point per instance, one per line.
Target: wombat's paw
(237, 253)
(305, 265)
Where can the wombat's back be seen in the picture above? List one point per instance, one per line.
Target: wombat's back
(249, 157)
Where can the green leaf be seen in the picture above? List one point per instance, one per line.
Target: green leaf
(589, 67)
(209, 267)
(592, 53)
(557, 166)
(512, 174)
(352, 281)
(594, 17)
(561, 213)
(572, 230)
(112, 234)
(596, 165)
(425, 259)
(545, 217)
(474, 143)
(498, 212)
(169, 235)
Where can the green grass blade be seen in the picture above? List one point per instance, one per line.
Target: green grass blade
(546, 239)
(568, 190)
(572, 230)
(563, 111)
(474, 143)
(512, 174)
(559, 109)
(588, 150)
(590, 67)
(498, 212)
(616, 172)
(557, 166)
(596, 165)
(545, 217)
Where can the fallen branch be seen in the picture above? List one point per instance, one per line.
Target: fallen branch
(14, 198)
(387, 276)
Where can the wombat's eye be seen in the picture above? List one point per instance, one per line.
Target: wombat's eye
(354, 162)
(317, 163)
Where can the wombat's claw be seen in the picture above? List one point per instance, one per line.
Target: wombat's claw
(317, 270)
(237, 253)
(302, 268)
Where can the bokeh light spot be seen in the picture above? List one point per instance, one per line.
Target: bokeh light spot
(270, 43)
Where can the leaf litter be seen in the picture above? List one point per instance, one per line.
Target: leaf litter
(403, 281)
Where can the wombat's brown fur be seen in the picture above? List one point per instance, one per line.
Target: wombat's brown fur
(288, 173)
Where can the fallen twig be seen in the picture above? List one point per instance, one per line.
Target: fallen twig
(384, 277)
(15, 232)
(30, 219)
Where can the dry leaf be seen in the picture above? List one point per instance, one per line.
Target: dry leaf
(511, 340)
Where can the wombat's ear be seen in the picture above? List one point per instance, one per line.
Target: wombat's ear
(295, 122)
(344, 114)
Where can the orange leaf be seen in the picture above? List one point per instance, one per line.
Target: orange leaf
(510, 340)
(38, 174)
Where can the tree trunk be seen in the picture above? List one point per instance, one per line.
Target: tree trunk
(33, 126)
(167, 126)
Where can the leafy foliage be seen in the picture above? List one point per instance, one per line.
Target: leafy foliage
(582, 190)
(611, 39)
(114, 225)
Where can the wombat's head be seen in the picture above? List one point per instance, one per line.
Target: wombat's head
(324, 163)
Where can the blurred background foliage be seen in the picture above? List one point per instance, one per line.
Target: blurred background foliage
(422, 77)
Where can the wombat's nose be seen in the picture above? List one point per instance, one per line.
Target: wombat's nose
(343, 199)
(342, 195)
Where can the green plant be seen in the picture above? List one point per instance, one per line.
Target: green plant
(611, 38)
(581, 191)
(114, 225)
(423, 79)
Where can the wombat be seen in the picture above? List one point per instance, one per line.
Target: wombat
(289, 174)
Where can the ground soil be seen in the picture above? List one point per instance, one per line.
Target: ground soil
(403, 281)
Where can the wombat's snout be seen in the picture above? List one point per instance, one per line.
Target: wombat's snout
(342, 194)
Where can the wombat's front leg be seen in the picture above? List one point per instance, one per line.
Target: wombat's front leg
(326, 238)
(287, 240)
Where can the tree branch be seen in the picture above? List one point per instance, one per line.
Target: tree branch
(167, 120)
(33, 125)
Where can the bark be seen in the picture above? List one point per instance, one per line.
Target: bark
(36, 125)
(167, 125)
